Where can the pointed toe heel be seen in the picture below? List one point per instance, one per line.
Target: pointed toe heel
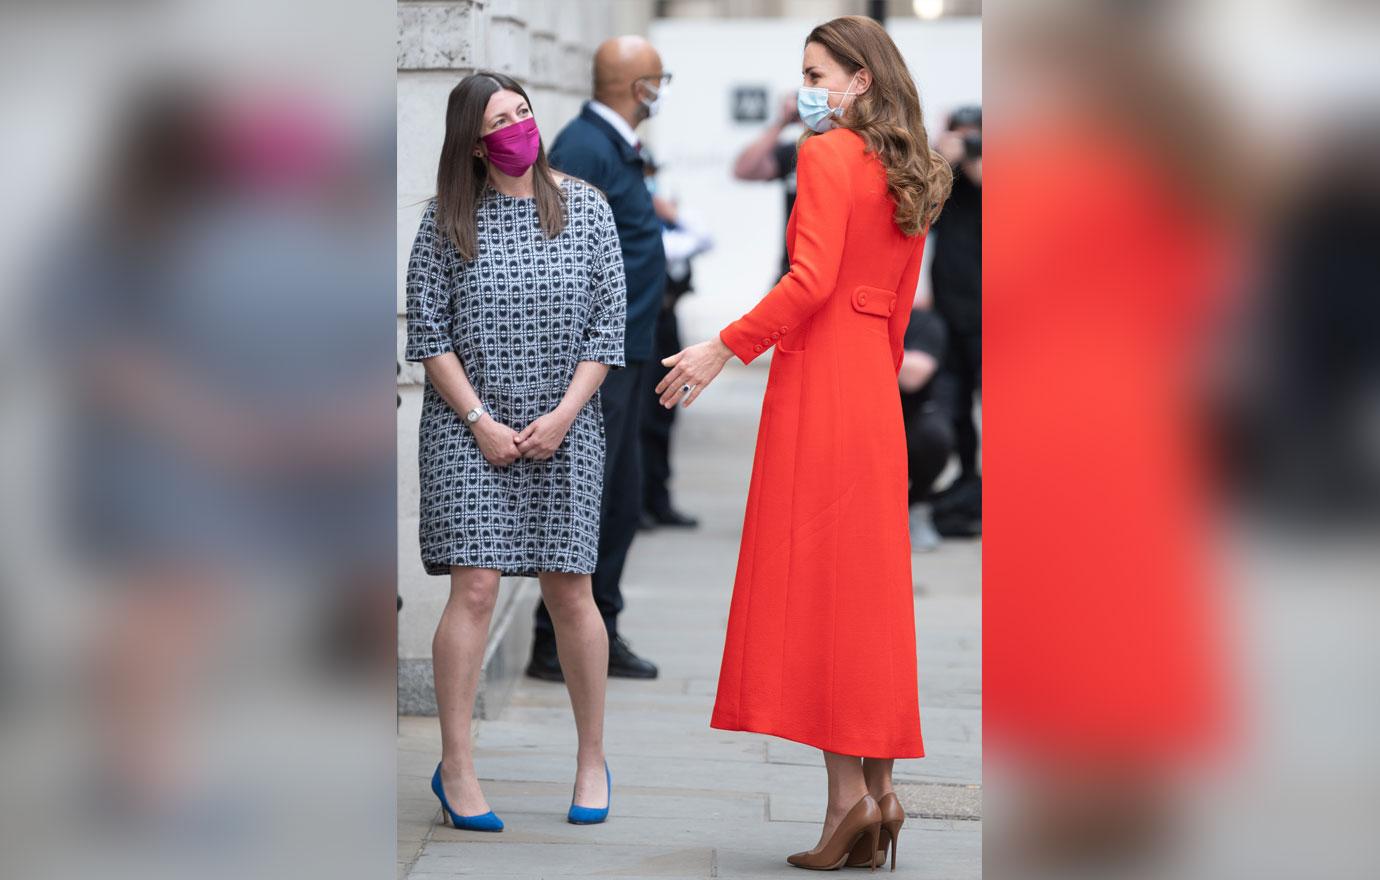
(859, 832)
(579, 815)
(484, 822)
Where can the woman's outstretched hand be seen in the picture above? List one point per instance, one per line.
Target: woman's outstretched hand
(696, 367)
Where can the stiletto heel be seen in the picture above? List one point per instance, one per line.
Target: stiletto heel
(579, 815)
(876, 835)
(893, 817)
(487, 822)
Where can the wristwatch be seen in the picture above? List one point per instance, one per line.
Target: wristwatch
(473, 415)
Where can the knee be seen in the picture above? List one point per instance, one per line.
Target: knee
(565, 595)
(475, 596)
(935, 435)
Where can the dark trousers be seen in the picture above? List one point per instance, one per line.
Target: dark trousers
(657, 420)
(621, 508)
(929, 442)
(956, 387)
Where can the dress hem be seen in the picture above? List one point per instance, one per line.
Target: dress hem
(442, 569)
(719, 724)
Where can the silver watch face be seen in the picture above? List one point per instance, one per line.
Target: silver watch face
(473, 415)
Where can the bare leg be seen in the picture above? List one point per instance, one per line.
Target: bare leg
(847, 786)
(457, 652)
(877, 772)
(582, 643)
(147, 660)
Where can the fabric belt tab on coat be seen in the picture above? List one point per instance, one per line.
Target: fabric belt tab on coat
(874, 300)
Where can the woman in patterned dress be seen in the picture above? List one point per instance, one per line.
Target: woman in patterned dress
(515, 306)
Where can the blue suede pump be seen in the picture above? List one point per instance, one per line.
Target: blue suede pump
(487, 822)
(579, 815)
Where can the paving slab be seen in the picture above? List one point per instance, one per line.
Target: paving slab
(454, 858)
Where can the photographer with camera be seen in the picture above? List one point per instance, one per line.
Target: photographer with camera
(956, 280)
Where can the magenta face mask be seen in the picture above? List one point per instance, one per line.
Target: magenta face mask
(513, 148)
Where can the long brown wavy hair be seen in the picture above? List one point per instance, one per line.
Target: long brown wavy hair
(888, 118)
(462, 176)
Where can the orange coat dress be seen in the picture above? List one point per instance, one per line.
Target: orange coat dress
(820, 647)
(1106, 642)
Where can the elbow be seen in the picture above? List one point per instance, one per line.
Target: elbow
(815, 287)
(744, 169)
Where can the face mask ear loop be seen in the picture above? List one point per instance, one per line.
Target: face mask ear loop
(838, 111)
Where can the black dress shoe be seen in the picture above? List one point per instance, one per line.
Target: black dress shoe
(623, 663)
(674, 518)
(545, 664)
(646, 522)
(958, 526)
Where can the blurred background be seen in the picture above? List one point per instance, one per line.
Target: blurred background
(198, 589)
(1181, 462)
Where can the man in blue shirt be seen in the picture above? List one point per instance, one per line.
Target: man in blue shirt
(601, 146)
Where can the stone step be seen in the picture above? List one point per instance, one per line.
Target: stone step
(505, 656)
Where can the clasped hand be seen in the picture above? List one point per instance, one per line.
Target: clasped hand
(502, 446)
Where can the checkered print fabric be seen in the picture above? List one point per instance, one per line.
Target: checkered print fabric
(520, 316)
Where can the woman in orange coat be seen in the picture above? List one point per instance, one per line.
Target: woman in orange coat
(821, 634)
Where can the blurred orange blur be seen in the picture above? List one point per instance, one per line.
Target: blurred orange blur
(1142, 216)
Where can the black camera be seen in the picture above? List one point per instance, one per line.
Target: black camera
(968, 117)
(972, 145)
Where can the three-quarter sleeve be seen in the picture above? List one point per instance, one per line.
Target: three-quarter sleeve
(429, 316)
(603, 336)
(822, 206)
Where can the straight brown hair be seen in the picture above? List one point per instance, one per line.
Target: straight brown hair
(462, 176)
(888, 118)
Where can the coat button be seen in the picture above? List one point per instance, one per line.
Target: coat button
(766, 340)
(776, 336)
(757, 348)
(862, 299)
(783, 329)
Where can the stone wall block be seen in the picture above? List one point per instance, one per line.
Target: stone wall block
(441, 36)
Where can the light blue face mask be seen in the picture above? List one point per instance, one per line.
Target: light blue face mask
(656, 102)
(813, 105)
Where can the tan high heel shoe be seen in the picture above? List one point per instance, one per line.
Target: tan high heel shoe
(893, 817)
(861, 828)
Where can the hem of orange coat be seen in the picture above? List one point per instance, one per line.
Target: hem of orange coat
(837, 748)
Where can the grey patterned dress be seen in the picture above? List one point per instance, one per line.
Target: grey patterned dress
(520, 316)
